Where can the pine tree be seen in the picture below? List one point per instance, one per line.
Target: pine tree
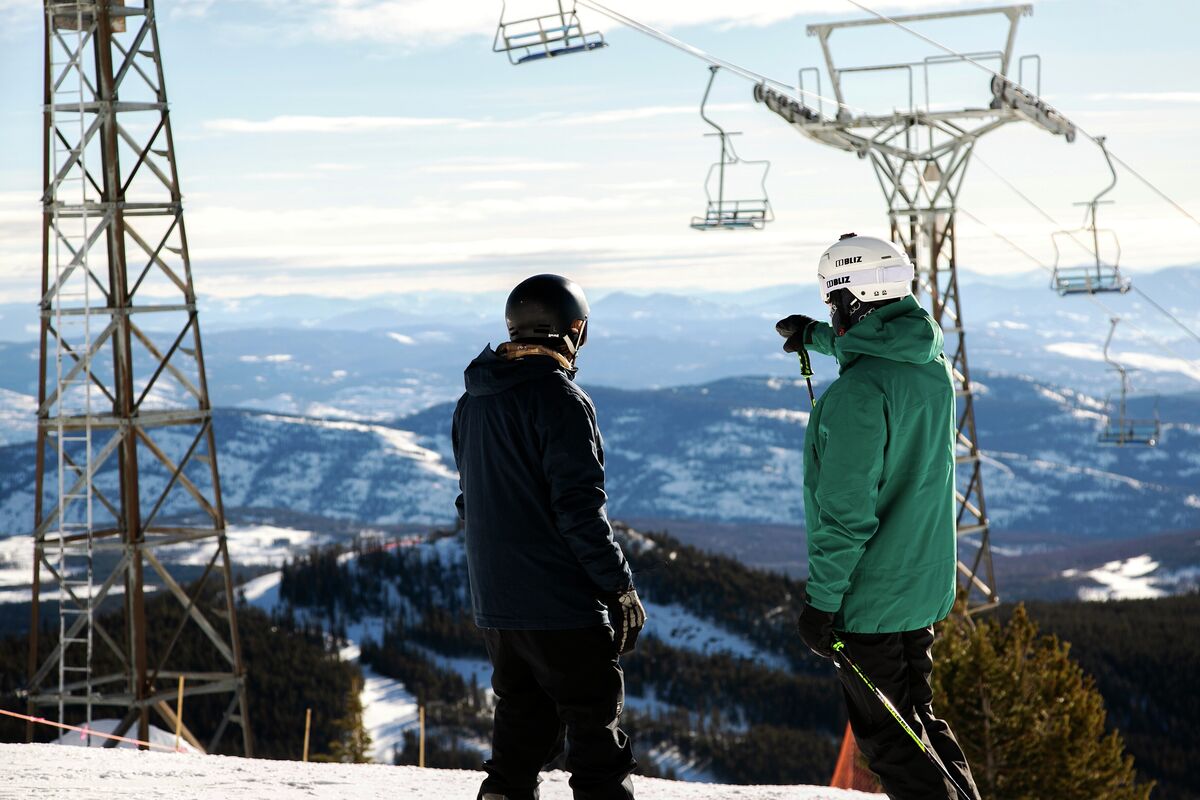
(352, 744)
(1030, 721)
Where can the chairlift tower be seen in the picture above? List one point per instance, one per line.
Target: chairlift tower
(920, 156)
(127, 476)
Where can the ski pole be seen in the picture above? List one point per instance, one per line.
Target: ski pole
(807, 371)
(839, 649)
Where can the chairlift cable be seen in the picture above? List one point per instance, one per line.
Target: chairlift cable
(1046, 214)
(692, 50)
(1167, 313)
(977, 158)
(1182, 325)
(1166, 348)
(985, 68)
(757, 77)
(1152, 187)
(679, 44)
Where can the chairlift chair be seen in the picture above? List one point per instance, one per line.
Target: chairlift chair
(1121, 429)
(721, 212)
(1100, 276)
(544, 36)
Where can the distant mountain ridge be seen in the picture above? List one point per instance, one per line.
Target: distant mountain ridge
(729, 451)
(726, 451)
(380, 358)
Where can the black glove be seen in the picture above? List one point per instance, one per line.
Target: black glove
(627, 616)
(797, 329)
(816, 629)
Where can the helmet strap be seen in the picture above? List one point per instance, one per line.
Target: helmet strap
(574, 340)
(846, 310)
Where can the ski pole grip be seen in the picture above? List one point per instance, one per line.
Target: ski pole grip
(805, 362)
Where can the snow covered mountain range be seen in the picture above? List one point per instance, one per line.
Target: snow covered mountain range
(338, 409)
(722, 452)
(383, 357)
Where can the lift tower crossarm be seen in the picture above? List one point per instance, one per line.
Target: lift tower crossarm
(1013, 12)
(823, 30)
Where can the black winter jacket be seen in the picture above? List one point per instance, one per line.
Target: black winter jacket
(540, 550)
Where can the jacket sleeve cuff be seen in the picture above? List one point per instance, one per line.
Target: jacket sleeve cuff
(626, 579)
(821, 336)
(823, 601)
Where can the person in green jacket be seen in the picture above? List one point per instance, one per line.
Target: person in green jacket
(879, 499)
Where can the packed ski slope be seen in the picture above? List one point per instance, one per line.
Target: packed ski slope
(50, 772)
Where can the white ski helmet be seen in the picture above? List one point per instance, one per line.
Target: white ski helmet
(872, 269)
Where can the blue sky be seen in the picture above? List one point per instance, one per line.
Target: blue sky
(353, 147)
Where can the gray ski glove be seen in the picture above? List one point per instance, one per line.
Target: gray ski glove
(627, 616)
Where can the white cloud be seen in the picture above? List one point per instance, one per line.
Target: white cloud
(334, 166)
(1185, 98)
(279, 175)
(413, 22)
(494, 186)
(423, 22)
(319, 124)
(639, 114)
(190, 8)
(307, 123)
(20, 13)
(503, 165)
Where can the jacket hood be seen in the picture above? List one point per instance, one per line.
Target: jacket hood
(903, 332)
(490, 373)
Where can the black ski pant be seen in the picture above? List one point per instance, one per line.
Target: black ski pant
(900, 665)
(551, 684)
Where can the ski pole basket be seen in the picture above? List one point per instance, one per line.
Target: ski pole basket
(723, 212)
(544, 36)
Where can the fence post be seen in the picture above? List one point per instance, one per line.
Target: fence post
(307, 728)
(421, 745)
(179, 714)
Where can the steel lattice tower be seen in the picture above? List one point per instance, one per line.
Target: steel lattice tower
(127, 478)
(920, 156)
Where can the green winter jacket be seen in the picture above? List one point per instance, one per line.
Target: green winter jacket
(879, 475)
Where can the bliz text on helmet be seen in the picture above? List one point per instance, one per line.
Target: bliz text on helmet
(829, 284)
(841, 262)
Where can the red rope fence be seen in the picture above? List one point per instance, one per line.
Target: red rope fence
(85, 732)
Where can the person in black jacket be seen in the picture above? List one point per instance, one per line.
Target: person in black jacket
(551, 588)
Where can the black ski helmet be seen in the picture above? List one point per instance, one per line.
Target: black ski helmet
(548, 307)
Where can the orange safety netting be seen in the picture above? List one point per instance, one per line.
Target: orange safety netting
(86, 732)
(850, 772)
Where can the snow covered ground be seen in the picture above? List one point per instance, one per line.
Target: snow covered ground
(52, 772)
(1136, 578)
(158, 737)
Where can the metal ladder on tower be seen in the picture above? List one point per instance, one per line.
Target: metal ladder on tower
(72, 315)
